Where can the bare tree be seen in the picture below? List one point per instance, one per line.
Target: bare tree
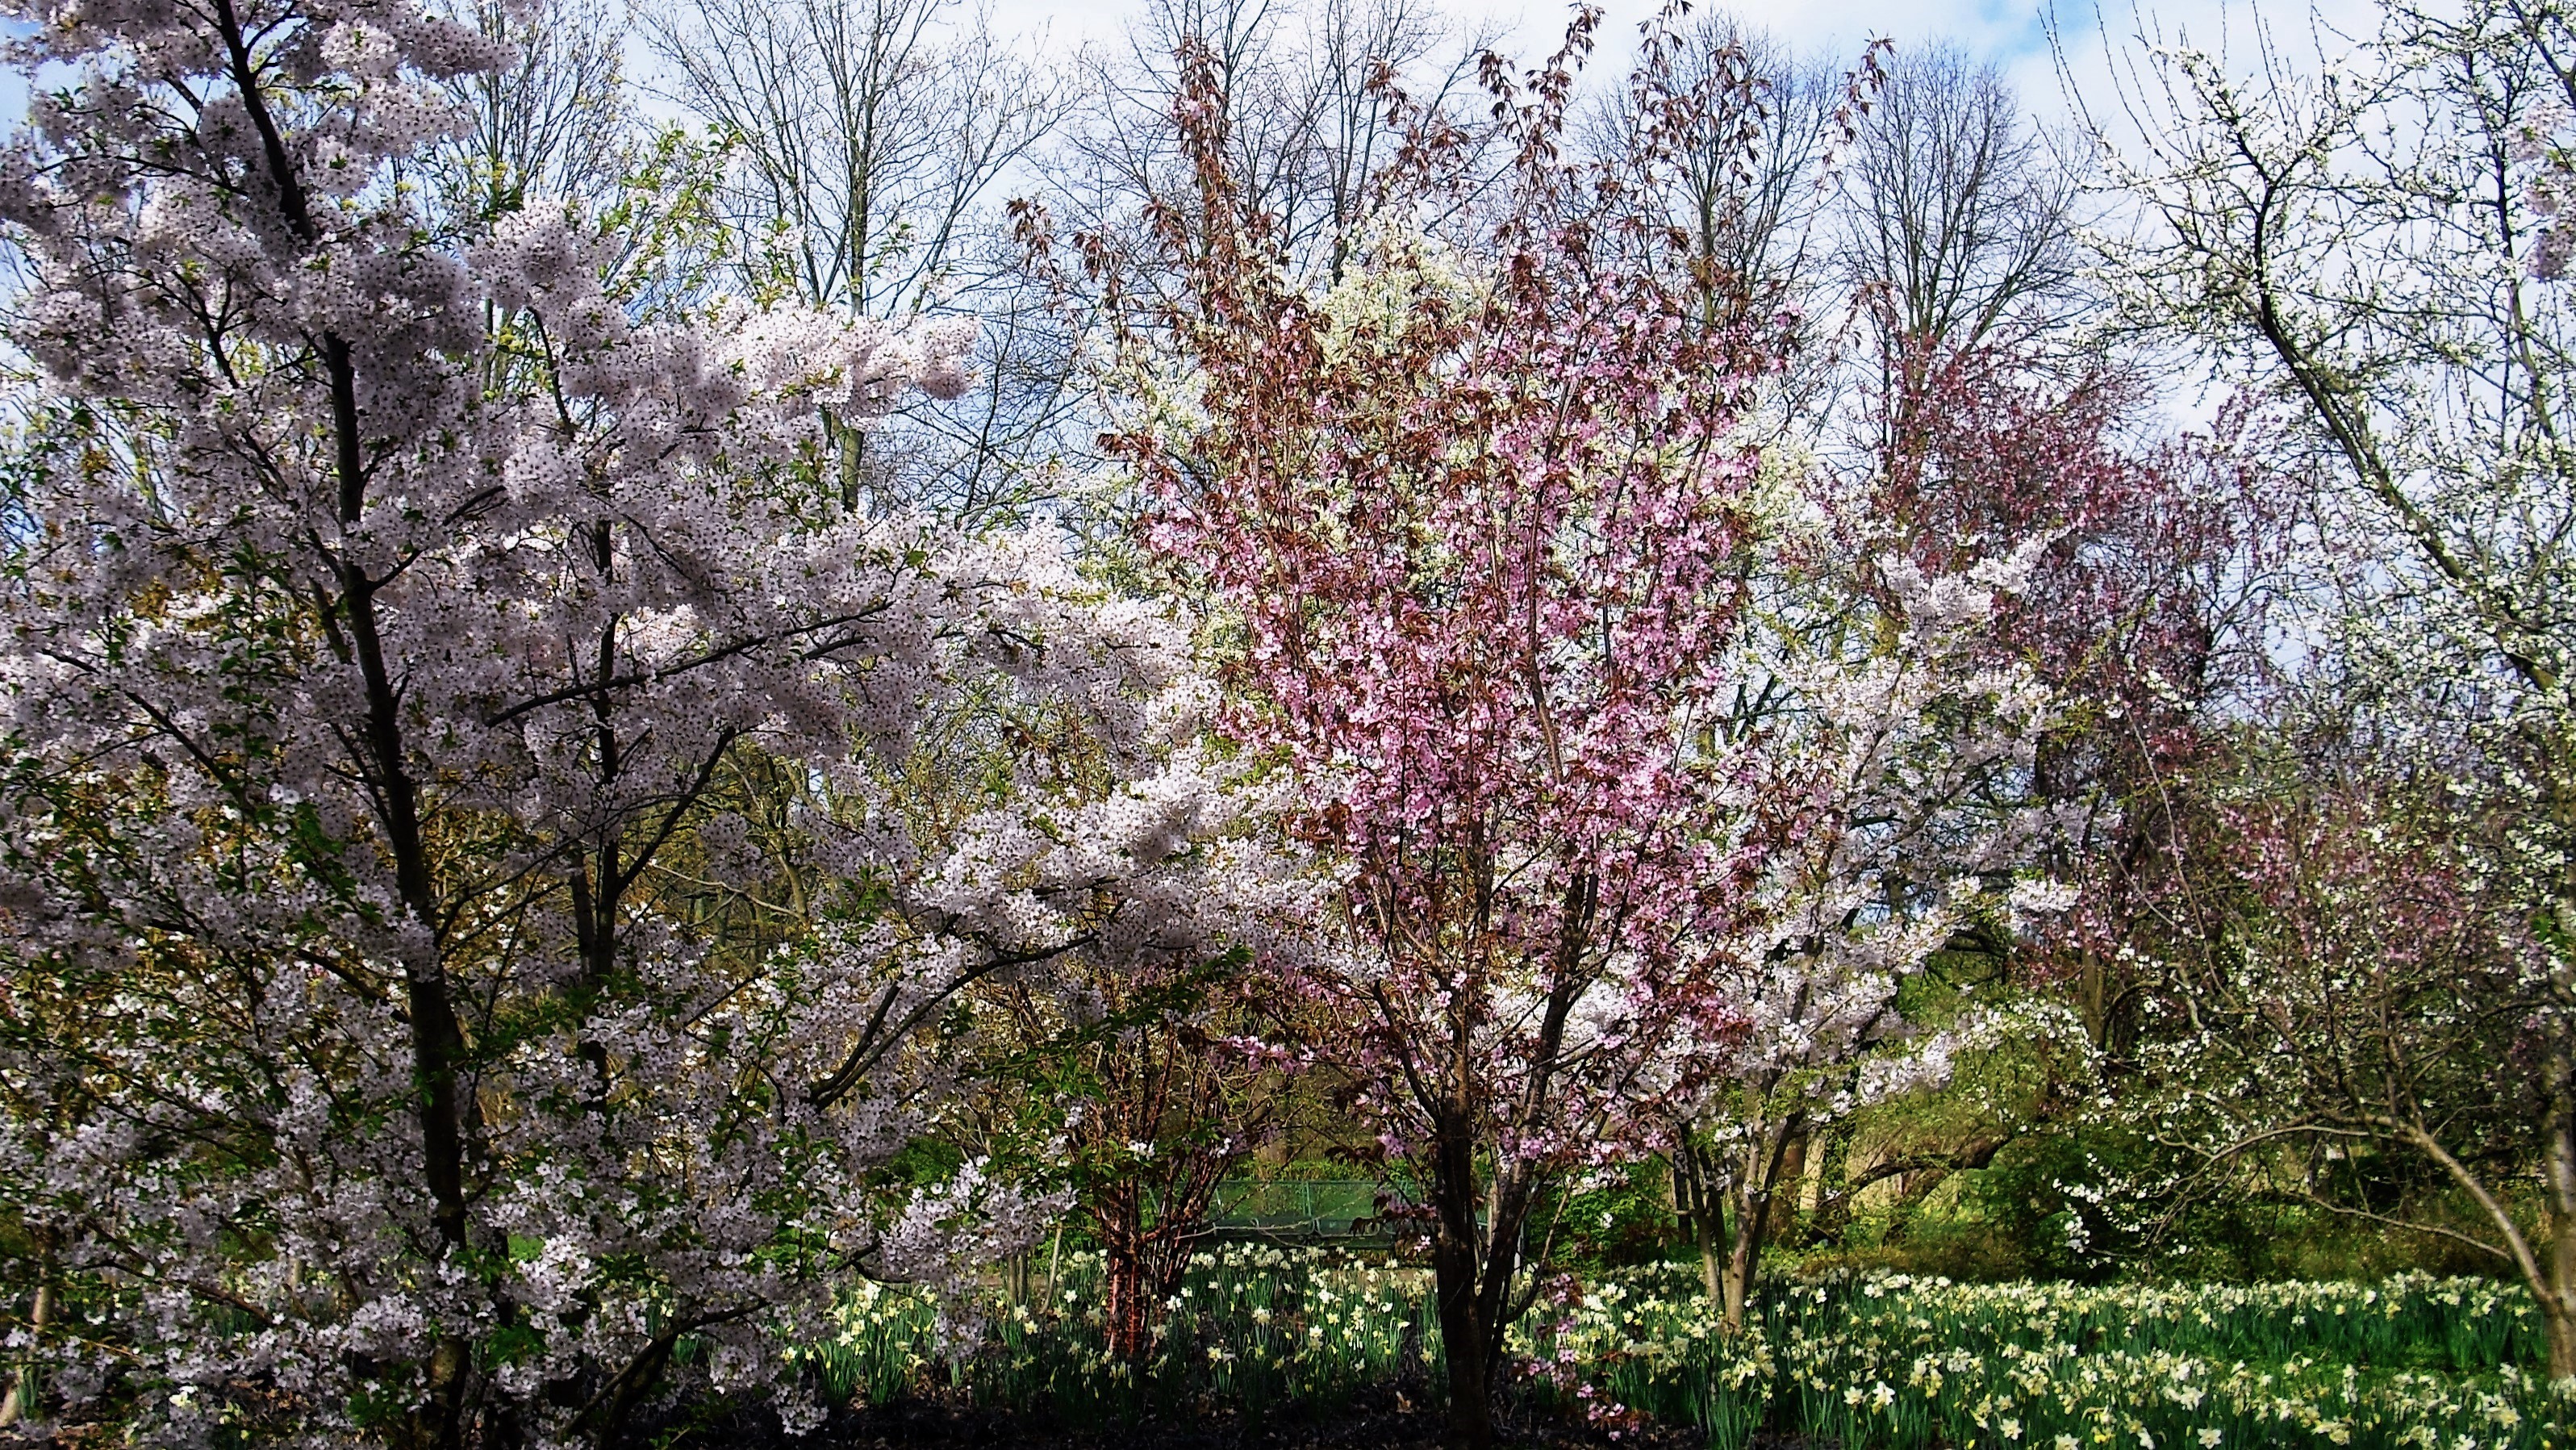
(554, 124)
(867, 144)
(1311, 92)
(1307, 90)
(1760, 210)
(1954, 231)
(868, 137)
(1958, 216)
(1752, 206)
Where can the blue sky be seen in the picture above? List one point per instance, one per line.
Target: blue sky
(2003, 28)
(2012, 33)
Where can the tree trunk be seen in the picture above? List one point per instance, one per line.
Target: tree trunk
(1474, 1266)
(2560, 1324)
(1699, 1201)
(1471, 1369)
(20, 1405)
(1743, 1256)
(2548, 1266)
(2557, 1298)
(2092, 1000)
(1122, 1272)
(1708, 1192)
(1791, 1173)
(1141, 1269)
(1831, 1219)
(1456, 1264)
(1766, 1155)
(1711, 1225)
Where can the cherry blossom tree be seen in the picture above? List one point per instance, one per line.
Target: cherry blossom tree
(2151, 575)
(1137, 1079)
(2349, 1018)
(466, 947)
(1474, 519)
(1488, 552)
(2149, 612)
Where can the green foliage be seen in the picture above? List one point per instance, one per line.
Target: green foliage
(2032, 1213)
(2045, 1209)
(1620, 1218)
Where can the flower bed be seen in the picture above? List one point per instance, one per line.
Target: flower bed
(1905, 1363)
(2414, 1363)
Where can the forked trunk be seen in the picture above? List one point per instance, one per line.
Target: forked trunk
(1127, 1300)
(1699, 1201)
(1473, 1266)
(1768, 1157)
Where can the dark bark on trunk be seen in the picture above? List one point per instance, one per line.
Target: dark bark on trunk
(1471, 1371)
(437, 1040)
(1142, 1267)
(1699, 1200)
(1455, 1276)
(1476, 1263)
(1476, 1268)
(1165, 1088)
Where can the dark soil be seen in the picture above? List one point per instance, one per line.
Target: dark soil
(1390, 1417)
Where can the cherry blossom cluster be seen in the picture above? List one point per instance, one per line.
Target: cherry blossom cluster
(1901, 756)
(469, 933)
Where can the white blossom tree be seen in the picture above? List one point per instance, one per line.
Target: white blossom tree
(464, 946)
(2375, 242)
(1894, 784)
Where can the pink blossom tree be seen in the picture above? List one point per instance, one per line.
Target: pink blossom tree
(2166, 565)
(1488, 545)
(1960, 716)
(465, 948)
